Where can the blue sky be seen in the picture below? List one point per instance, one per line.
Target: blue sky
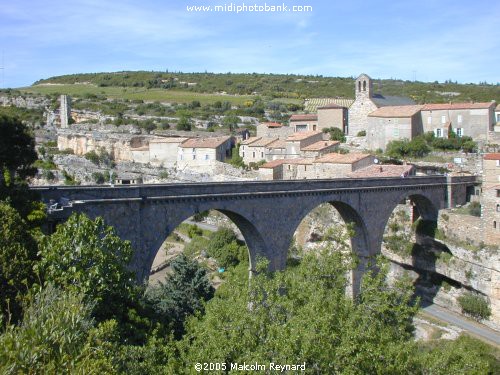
(427, 39)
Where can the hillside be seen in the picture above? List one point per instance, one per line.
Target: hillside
(168, 86)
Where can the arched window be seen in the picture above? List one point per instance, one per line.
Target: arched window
(364, 85)
(359, 85)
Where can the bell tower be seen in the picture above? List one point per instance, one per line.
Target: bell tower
(364, 87)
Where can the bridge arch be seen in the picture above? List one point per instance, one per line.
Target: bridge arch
(360, 241)
(168, 221)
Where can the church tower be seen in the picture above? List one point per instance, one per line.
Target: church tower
(364, 87)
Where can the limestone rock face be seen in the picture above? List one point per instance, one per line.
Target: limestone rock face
(441, 278)
(30, 102)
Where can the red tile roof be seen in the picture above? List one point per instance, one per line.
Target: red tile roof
(304, 117)
(279, 143)
(377, 170)
(299, 136)
(492, 156)
(212, 142)
(272, 124)
(320, 145)
(396, 111)
(335, 158)
(298, 161)
(250, 140)
(449, 106)
(262, 142)
(272, 163)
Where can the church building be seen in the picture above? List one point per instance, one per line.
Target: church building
(366, 102)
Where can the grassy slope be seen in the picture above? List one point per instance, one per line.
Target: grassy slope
(132, 93)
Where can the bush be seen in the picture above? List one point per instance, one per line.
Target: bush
(475, 306)
(335, 134)
(475, 209)
(98, 178)
(417, 147)
(362, 133)
(224, 247)
(92, 156)
(194, 231)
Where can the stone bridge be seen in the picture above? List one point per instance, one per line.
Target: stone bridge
(267, 213)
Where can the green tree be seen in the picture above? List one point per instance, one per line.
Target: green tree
(86, 255)
(184, 123)
(183, 293)
(17, 151)
(55, 337)
(336, 134)
(231, 121)
(224, 247)
(302, 315)
(18, 254)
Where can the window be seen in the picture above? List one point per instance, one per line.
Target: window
(261, 154)
(359, 86)
(429, 120)
(194, 150)
(364, 85)
(460, 132)
(395, 132)
(243, 153)
(207, 157)
(498, 193)
(314, 127)
(194, 157)
(494, 225)
(498, 117)
(498, 163)
(498, 207)
(459, 119)
(253, 154)
(439, 132)
(443, 119)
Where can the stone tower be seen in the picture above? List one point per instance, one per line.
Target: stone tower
(364, 87)
(65, 110)
(362, 106)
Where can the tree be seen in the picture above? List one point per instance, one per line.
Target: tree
(56, 336)
(336, 134)
(231, 121)
(18, 254)
(302, 314)
(184, 123)
(86, 255)
(182, 294)
(17, 151)
(224, 247)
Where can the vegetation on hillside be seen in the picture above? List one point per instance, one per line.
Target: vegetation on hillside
(280, 85)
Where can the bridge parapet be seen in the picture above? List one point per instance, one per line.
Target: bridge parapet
(267, 213)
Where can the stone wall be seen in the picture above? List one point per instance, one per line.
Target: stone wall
(464, 228)
(30, 102)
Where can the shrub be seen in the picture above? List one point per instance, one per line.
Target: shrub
(194, 231)
(335, 134)
(98, 178)
(92, 156)
(362, 133)
(475, 306)
(475, 209)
